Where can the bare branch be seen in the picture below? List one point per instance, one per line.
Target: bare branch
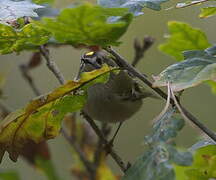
(140, 49)
(24, 68)
(51, 65)
(124, 64)
(114, 155)
(88, 165)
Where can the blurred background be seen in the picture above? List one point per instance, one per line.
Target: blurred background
(129, 143)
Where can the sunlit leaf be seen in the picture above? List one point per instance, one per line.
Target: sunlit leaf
(43, 1)
(207, 12)
(197, 67)
(203, 167)
(183, 37)
(157, 162)
(41, 118)
(9, 175)
(88, 25)
(29, 37)
(135, 6)
(12, 10)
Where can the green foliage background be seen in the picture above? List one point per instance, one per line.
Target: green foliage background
(129, 144)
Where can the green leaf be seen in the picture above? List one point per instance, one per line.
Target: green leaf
(183, 37)
(134, 7)
(157, 162)
(197, 67)
(203, 167)
(9, 175)
(12, 10)
(43, 1)
(88, 25)
(41, 119)
(207, 12)
(165, 129)
(29, 37)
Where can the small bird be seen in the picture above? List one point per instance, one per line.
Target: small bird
(116, 100)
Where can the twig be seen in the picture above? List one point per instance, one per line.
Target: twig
(88, 165)
(114, 155)
(51, 65)
(24, 68)
(100, 150)
(123, 63)
(140, 49)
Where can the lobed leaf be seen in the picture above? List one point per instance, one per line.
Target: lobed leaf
(88, 25)
(29, 37)
(41, 119)
(207, 12)
(157, 162)
(135, 6)
(12, 10)
(183, 37)
(203, 167)
(197, 67)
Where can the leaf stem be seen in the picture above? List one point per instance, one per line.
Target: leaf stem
(185, 114)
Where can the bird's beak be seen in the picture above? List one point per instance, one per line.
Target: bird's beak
(81, 69)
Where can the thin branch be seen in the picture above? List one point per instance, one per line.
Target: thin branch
(140, 49)
(88, 165)
(24, 68)
(123, 63)
(114, 155)
(51, 65)
(105, 129)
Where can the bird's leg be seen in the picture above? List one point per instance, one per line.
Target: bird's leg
(115, 134)
(110, 144)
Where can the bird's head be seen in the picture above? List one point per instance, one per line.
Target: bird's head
(94, 60)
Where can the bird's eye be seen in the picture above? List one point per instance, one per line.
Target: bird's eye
(99, 61)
